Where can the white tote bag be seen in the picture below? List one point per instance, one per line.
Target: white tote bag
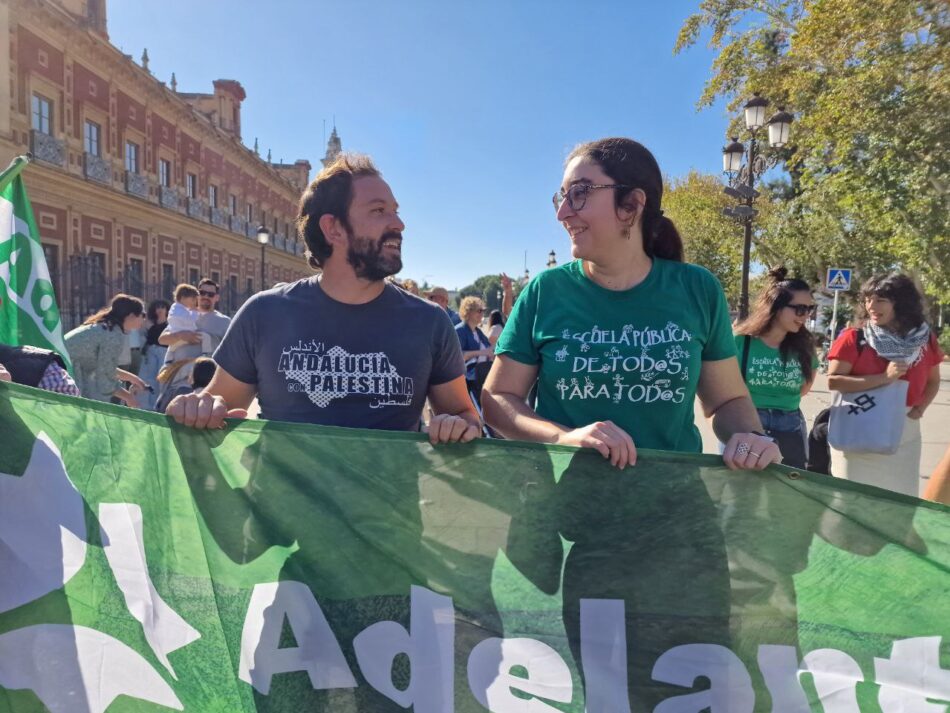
(869, 421)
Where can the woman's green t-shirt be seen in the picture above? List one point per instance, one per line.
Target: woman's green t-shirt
(631, 356)
(772, 381)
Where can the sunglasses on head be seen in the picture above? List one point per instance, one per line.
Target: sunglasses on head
(802, 310)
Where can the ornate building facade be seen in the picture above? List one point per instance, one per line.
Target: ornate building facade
(136, 186)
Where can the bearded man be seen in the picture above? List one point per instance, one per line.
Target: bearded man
(344, 347)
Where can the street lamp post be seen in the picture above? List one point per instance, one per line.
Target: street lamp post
(552, 260)
(263, 237)
(742, 176)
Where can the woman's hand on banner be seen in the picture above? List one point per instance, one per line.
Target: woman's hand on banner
(605, 437)
(750, 451)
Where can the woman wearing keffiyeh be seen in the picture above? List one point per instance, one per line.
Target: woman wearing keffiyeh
(896, 343)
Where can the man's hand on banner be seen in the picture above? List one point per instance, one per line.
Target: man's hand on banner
(446, 428)
(202, 410)
(750, 451)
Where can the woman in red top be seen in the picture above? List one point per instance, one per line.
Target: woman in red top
(896, 343)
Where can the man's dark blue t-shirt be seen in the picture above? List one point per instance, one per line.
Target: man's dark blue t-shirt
(316, 360)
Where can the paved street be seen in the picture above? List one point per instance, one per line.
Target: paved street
(935, 428)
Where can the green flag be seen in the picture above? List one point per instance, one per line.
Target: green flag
(28, 311)
(285, 567)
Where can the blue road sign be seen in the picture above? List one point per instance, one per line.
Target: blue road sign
(839, 278)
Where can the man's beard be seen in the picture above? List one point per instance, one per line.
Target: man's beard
(367, 258)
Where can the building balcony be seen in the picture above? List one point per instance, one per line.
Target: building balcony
(219, 218)
(238, 225)
(48, 148)
(168, 197)
(279, 241)
(97, 168)
(197, 208)
(251, 231)
(136, 185)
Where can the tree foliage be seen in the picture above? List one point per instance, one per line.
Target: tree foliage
(869, 83)
(710, 239)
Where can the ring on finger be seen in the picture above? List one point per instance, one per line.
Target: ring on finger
(754, 454)
(742, 449)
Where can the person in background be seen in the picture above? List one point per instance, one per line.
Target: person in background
(895, 343)
(41, 368)
(495, 325)
(440, 296)
(183, 317)
(938, 486)
(411, 286)
(202, 373)
(476, 349)
(153, 355)
(778, 361)
(94, 350)
(622, 339)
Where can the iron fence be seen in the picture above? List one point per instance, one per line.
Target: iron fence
(84, 287)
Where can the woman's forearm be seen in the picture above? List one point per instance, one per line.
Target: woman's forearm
(737, 415)
(510, 416)
(848, 384)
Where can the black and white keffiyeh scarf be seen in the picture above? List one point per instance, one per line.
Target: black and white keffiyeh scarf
(907, 349)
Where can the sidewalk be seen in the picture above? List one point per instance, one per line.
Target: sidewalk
(935, 425)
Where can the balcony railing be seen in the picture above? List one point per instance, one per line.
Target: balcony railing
(197, 208)
(97, 168)
(136, 185)
(48, 148)
(168, 197)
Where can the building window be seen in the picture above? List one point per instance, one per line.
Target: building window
(250, 213)
(213, 195)
(42, 115)
(250, 286)
(193, 278)
(164, 172)
(131, 157)
(91, 137)
(51, 252)
(168, 280)
(215, 276)
(136, 275)
(232, 206)
(192, 185)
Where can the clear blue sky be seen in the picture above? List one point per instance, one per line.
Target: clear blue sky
(469, 108)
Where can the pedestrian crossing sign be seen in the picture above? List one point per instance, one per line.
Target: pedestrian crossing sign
(839, 278)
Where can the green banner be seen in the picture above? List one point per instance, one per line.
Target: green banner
(282, 567)
(28, 311)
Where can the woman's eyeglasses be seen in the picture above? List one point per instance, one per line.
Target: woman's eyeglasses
(802, 310)
(576, 195)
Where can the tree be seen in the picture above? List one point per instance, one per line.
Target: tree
(488, 288)
(710, 239)
(868, 80)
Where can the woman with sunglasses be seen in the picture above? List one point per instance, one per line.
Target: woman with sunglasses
(778, 362)
(895, 343)
(622, 339)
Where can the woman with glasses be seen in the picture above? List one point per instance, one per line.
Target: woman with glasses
(476, 349)
(94, 350)
(895, 343)
(778, 362)
(623, 338)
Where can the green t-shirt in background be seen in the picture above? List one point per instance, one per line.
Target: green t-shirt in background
(773, 382)
(632, 357)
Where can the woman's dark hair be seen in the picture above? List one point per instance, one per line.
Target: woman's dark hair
(778, 293)
(153, 308)
(495, 317)
(114, 315)
(330, 192)
(901, 290)
(631, 164)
